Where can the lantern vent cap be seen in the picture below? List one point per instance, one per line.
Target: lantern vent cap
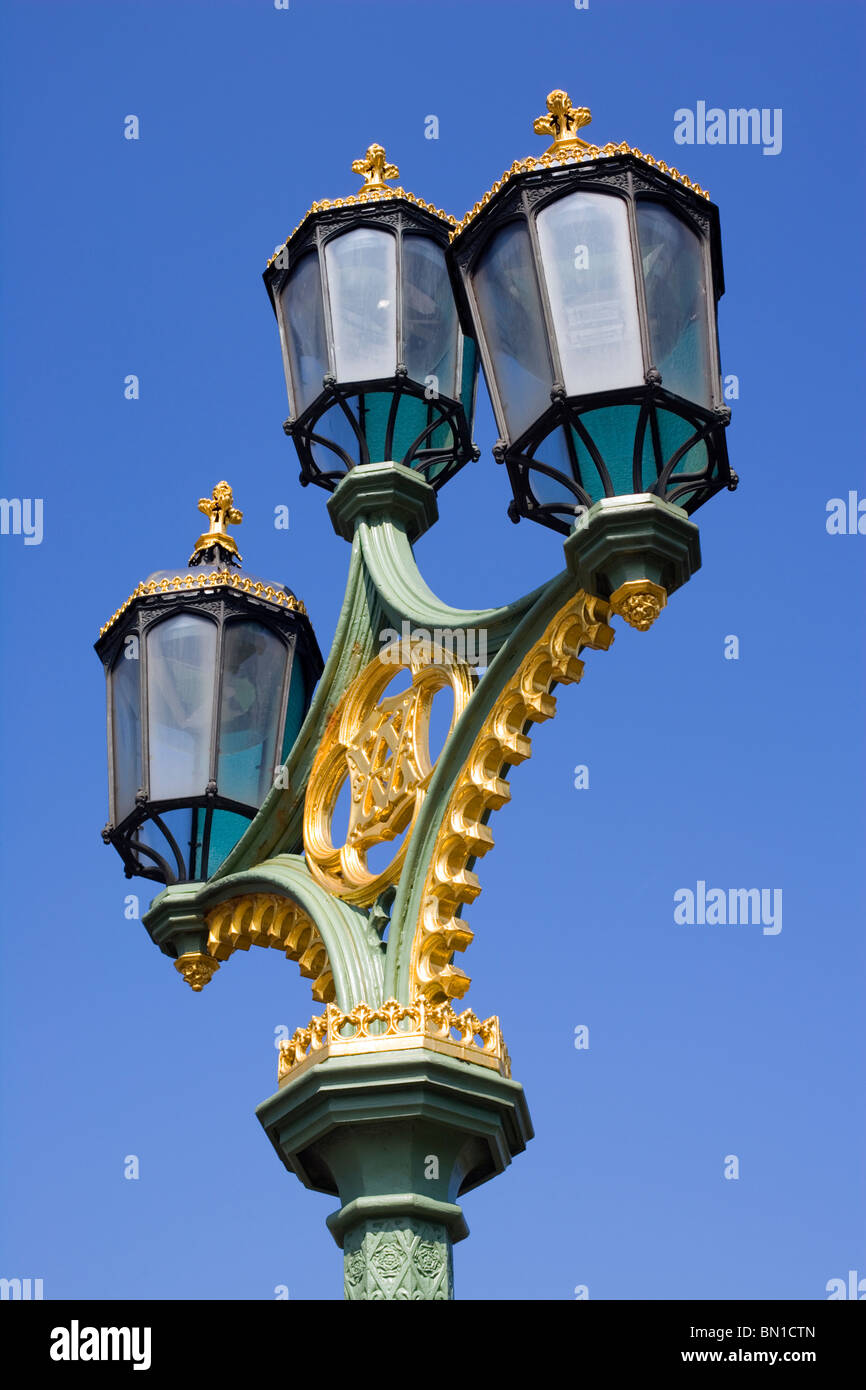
(217, 561)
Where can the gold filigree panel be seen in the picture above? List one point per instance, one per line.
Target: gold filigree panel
(481, 788)
(381, 745)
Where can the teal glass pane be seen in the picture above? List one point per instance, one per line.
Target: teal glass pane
(413, 415)
(226, 829)
(612, 431)
(126, 729)
(296, 708)
(674, 431)
(441, 438)
(374, 422)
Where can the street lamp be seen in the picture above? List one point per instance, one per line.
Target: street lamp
(209, 675)
(590, 277)
(376, 366)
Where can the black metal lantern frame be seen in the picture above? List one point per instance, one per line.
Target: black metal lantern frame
(521, 199)
(437, 461)
(221, 606)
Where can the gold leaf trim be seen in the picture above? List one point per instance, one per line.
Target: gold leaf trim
(391, 1027)
(579, 156)
(266, 919)
(363, 196)
(188, 582)
(481, 788)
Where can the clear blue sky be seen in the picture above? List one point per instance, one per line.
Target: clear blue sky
(145, 257)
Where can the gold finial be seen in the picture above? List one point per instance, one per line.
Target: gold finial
(639, 601)
(197, 969)
(563, 121)
(222, 512)
(375, 169)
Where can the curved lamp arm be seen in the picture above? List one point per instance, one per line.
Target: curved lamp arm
(404, 593)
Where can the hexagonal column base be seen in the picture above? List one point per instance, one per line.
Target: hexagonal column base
(398, 1136)
(634, 551)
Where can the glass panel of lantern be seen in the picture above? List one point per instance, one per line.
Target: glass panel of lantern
(509, 305)
(125, 716)
(181, 665)
(254, 663)
(305, 344)
(586, 257)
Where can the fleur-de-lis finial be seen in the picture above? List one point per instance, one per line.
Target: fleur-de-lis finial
(220, 508)
(563, 121)
(375, 169)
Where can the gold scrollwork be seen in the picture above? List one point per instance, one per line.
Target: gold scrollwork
(382, 745)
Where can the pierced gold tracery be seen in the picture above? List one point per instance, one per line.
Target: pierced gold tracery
(381, 744)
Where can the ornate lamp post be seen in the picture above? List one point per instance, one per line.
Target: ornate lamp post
(589, 277)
